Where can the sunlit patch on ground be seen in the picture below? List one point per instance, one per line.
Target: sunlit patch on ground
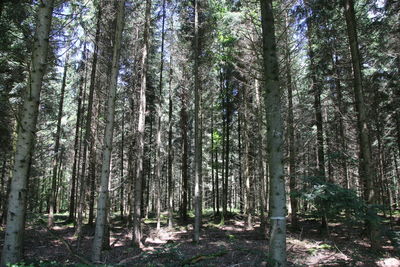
(390, 262)
(230, 244)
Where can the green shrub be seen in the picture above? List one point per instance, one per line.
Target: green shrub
(333, 201)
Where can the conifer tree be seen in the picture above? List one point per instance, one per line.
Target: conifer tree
(12, 248)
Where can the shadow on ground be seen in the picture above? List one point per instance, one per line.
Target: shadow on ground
(231, 244)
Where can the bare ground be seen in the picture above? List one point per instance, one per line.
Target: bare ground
(228, 245)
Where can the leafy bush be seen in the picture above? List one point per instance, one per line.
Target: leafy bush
(332, 200)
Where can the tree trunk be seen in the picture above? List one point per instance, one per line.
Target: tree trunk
(93, 164)
(102, 203)
(341, 112)
(316, 90)
(184, 129)
(2, 190)
(88, 131)
(159, 104)
(213, 163)
(366, 164)
(246, 161)
(260, 156)
(217, 199)
(170, 154)
(197, 130)
(290, 130)
(240, 158)
(224, 122)
(121, 192)
(137, 229)
(82, 80)
(226, 161)
(12, 248)
(277, 244)
(57, 157)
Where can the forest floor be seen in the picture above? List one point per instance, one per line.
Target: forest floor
(228, 245)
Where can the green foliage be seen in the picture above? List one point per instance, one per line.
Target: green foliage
(394, 237)
(332, 200)
(314, 250)
(325, 246)
(231, 237)
(217, 140)
(22, 264)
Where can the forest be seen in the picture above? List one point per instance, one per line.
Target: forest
(199, 133)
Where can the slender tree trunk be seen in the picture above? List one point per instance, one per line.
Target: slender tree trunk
(396, 178)
(159, 104)
(58, 183)
(290, 130)
(148, 187)
(330, 178)
(184, 129)
(197, 130)
(170, 154)
(226, 145)
(102, 203)
(12, 247)
(2, 190)
(121, 192)
(88, 131)
(260, 156)
(131, 167)
(246, 162)
(93, 165)
(381, 167)
(212, 163)
(224, 120)
(341, 112)
(217, 199)
(82, 80)
(240, 158)
(366, 164)
(80, 153)
(137, 229)
(277, 244)
(56, 158)
(316, 90)
(226, 161)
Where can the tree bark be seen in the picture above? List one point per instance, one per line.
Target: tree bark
(277, 244)
(366, 163)
(82, 70)
(260, 156)
(217, 199)
(184, 170)
(170, 154)
(159, 104)
(88, 131)
(102, 203)
(290, 130)
(341, 112)
(57, 157)
(212, 163)
(12, 248)
(316, 90)
(137, 229)
(240, 157)
(246, 161)
(91, 180)
(121, 192)
(197, 130)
